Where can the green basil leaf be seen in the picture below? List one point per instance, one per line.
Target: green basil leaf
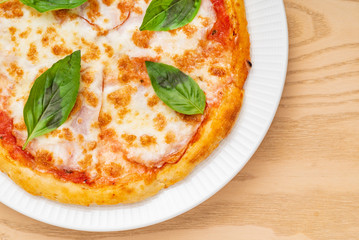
(52, 97)
(49, 5)
(176, 89)
(164, 15)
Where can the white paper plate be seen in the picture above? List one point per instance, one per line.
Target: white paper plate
(269, 49)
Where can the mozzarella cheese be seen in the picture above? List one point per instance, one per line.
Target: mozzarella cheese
(117, 120)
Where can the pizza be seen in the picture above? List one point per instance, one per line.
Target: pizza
(110, 101)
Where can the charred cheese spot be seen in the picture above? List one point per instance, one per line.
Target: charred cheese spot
(128, 138)
(55, 133)
(108, 50)
(194, 59)
(142, 38)
(217, 71)
(91, 145)
(49, 36)
(133, 69)
(189, 61)
(66, 134)
(205, 21)
(93, 10)
(60, 50)
(113, 170)
(170, 137)
(108, 2)
(32, 54)
(15, 71)
(213, 50)
(121, 97)
(26, 33)
(80, 137)
(158, 50)
(86, 161)
(12, 31)
(160, 122)
(191, 119)
(122, 113)
(11, 9)
(63, 15)
(125, 7)
(90, 98)
(147, 140)
(44, 157)
(20, 126)
(128, 7)
(152, 101)
(87, 77)
(108, 134)
(188, 29)
(92, 53)
(104, 119)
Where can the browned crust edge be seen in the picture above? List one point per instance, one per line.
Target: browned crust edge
(216, 127)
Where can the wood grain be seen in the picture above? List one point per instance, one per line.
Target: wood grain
(303, 182)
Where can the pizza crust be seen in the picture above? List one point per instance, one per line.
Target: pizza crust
(217, 125)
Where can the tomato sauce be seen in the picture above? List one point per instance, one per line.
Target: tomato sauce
(221, 29)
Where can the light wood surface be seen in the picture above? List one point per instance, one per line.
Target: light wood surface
(303, 182)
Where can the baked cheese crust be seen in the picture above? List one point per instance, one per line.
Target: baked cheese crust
(121, 144)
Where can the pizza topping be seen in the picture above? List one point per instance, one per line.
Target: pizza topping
(142, 39)
(90, 98)
(160, 122)
(217, 71)
(25, 33)
(61, 50)
(15, 71)
(11, 9)
(45, 5)
(152, 101)
(104, 119)
(178, 90)
(147, 140)
(221, 29)
(114, 119)
(121, 97)
(52, 97)
(49, 36)
(94, 10)
(129, 138)
(170, 137)
(163, 15)
(32, 54)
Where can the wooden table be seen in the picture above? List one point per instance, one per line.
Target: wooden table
(303, 182)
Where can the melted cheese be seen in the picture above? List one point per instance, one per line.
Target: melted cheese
(117, 120)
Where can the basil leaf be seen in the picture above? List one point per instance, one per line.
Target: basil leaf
(49, 5)
(176, 89)
(52, 97)
(164, 15)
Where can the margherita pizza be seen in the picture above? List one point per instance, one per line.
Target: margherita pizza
(110, 101)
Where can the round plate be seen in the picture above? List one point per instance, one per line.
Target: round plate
(269, 51)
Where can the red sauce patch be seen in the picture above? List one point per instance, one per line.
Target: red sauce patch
(221, 29)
